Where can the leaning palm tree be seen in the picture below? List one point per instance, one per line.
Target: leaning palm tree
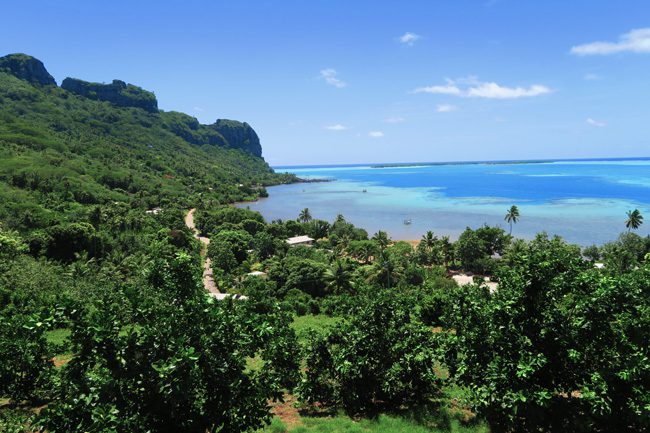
(634, 220)
(305, 216)
(512, 216)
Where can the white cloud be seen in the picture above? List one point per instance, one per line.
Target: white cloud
(337, 127)
(330, 77)
(446, 108)
(592, 77)
(396, 119)
(197, 109)
(494, 91)
(447, 89)
(635, 41)
(409, 38)
(375, 134)
(476, 89)
(596, 123)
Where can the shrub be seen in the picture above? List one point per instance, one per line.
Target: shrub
(378, 358)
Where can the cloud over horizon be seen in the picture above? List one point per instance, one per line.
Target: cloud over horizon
(490, 90)
(330, 77)
(337, 127)
(634, 41)
(375, 134)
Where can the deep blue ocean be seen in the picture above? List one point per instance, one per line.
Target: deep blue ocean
(584, 201)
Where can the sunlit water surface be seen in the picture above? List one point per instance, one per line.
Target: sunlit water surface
(583, 201)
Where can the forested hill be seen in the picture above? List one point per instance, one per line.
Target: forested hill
(66, 149)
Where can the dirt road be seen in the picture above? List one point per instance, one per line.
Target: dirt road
(208, 280)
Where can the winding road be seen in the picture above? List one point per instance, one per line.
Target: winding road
(208, 280)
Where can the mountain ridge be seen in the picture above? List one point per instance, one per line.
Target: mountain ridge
(224, 132)
(63, 154)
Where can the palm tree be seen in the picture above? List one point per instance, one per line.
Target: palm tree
(429, 240)
(429, 249)
(382, 239)
(384, 271)
(634, 220)
(512, 216)
(367, 251)
(339, 277)
(447, 251)
(305, 216)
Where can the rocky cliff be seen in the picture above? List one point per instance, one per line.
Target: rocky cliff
(239, 135)
(222, 133)
(26, 68)
(117, 92)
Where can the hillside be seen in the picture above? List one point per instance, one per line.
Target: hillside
(63, 149)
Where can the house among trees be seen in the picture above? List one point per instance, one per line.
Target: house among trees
(300, 240)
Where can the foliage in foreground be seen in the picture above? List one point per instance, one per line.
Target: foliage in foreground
(559, 347)
(180, 368)
(380, 357)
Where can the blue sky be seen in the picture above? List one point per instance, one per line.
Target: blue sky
(370, 81)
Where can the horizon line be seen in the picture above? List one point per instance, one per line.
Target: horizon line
(459, 162)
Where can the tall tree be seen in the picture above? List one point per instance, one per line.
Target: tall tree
(512, 216)
(634, 219)
(382, 239)
(305, 216)
(339, 277)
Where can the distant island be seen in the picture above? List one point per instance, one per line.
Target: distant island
(504, 162)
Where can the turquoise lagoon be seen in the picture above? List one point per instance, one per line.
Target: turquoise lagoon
(584, 201)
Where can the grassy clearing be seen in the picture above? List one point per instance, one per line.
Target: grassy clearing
(383, 424)
(303, 324)
(58, 337)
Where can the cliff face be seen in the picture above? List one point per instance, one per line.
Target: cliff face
(26, 68)
(222, 133)
(225, 133)
(118, 93)
(239, 135)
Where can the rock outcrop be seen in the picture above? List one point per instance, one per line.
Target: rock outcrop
(118, 93)
(26, 68)
(238, 135)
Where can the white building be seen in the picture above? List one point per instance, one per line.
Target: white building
(300, 240)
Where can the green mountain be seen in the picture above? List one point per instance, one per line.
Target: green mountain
(66, 149)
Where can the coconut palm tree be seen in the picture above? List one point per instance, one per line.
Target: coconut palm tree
(367, 251)
(305, 216)
(382, 239)
(384, 271)
(512, 216)
(429, 240)
(339, 277)
(429, 249)
(447, 251)
(634, 220)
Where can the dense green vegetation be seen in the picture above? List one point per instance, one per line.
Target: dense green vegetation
(105, 324)
(67, 159)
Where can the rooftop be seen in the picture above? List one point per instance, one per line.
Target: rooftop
(299, 240)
